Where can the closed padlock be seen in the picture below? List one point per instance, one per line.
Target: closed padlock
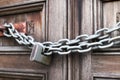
(37, 56)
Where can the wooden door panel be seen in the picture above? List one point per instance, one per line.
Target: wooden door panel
(14, 58)
(21, 75)
(49, 18)
(14, 2)
(33, 22)
(105, 79)
(106, 62)
(19, 61)
(109, 0)
(110, 13)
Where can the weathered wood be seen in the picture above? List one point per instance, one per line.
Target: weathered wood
(113, 49)
(32, 17)
(74, 66)
(86, 28)
(21, 8)
(97, 15)
(74, 26)
(49, 18)
(107, 53)
(4, 3)
(109, 0)
(16, 57)
(14, 49)
(57, 29)
(107, 75)
(74, 18)
(13, 74)
(19, 61)
(106, 63)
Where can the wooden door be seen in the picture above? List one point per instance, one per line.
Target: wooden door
(44, 18)
(100, 64)
(106, 65)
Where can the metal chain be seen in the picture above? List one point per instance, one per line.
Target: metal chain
(21, 38)
(83, 43)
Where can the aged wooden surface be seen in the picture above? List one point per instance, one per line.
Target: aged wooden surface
(57, 29)
(53, 20)
(100, 64)
(49, 22)
(105, 63)
(107, 75)
(109, 0)
(17, 2)
(79, 22)
(86, 28)
(24, 17)
(73, 30)
(95, 15)
(14, 58)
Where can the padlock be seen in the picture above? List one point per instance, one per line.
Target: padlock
(37, 56)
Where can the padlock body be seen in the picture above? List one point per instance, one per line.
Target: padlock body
(37, 56)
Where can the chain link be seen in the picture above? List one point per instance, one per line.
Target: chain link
(81, 44)
(21, 38)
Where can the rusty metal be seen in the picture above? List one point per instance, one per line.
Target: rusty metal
(20, 27)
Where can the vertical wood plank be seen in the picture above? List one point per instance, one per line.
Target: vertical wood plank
(79, 66)
(97, 15)
(57, 19)
(86, 28)
(87, 17)
(110, 11)
(74, 25)
(86, 73)
(57, 29)
(74, 18)
(74, 67)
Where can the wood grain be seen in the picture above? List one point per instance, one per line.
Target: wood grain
(35, 17)
(74, 26)
(106, 64)
(16, 57)
(106, 75)
(109, 0)
(17, 2)
(15, 74)
(57, 29)
(14, 49)
(20, 61)
(86, 28)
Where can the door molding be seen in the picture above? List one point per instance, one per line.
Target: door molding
(24, 8)
(21, 8)
(22, 74)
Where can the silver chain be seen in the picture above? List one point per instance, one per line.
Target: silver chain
(102, 38)
(21, 38)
